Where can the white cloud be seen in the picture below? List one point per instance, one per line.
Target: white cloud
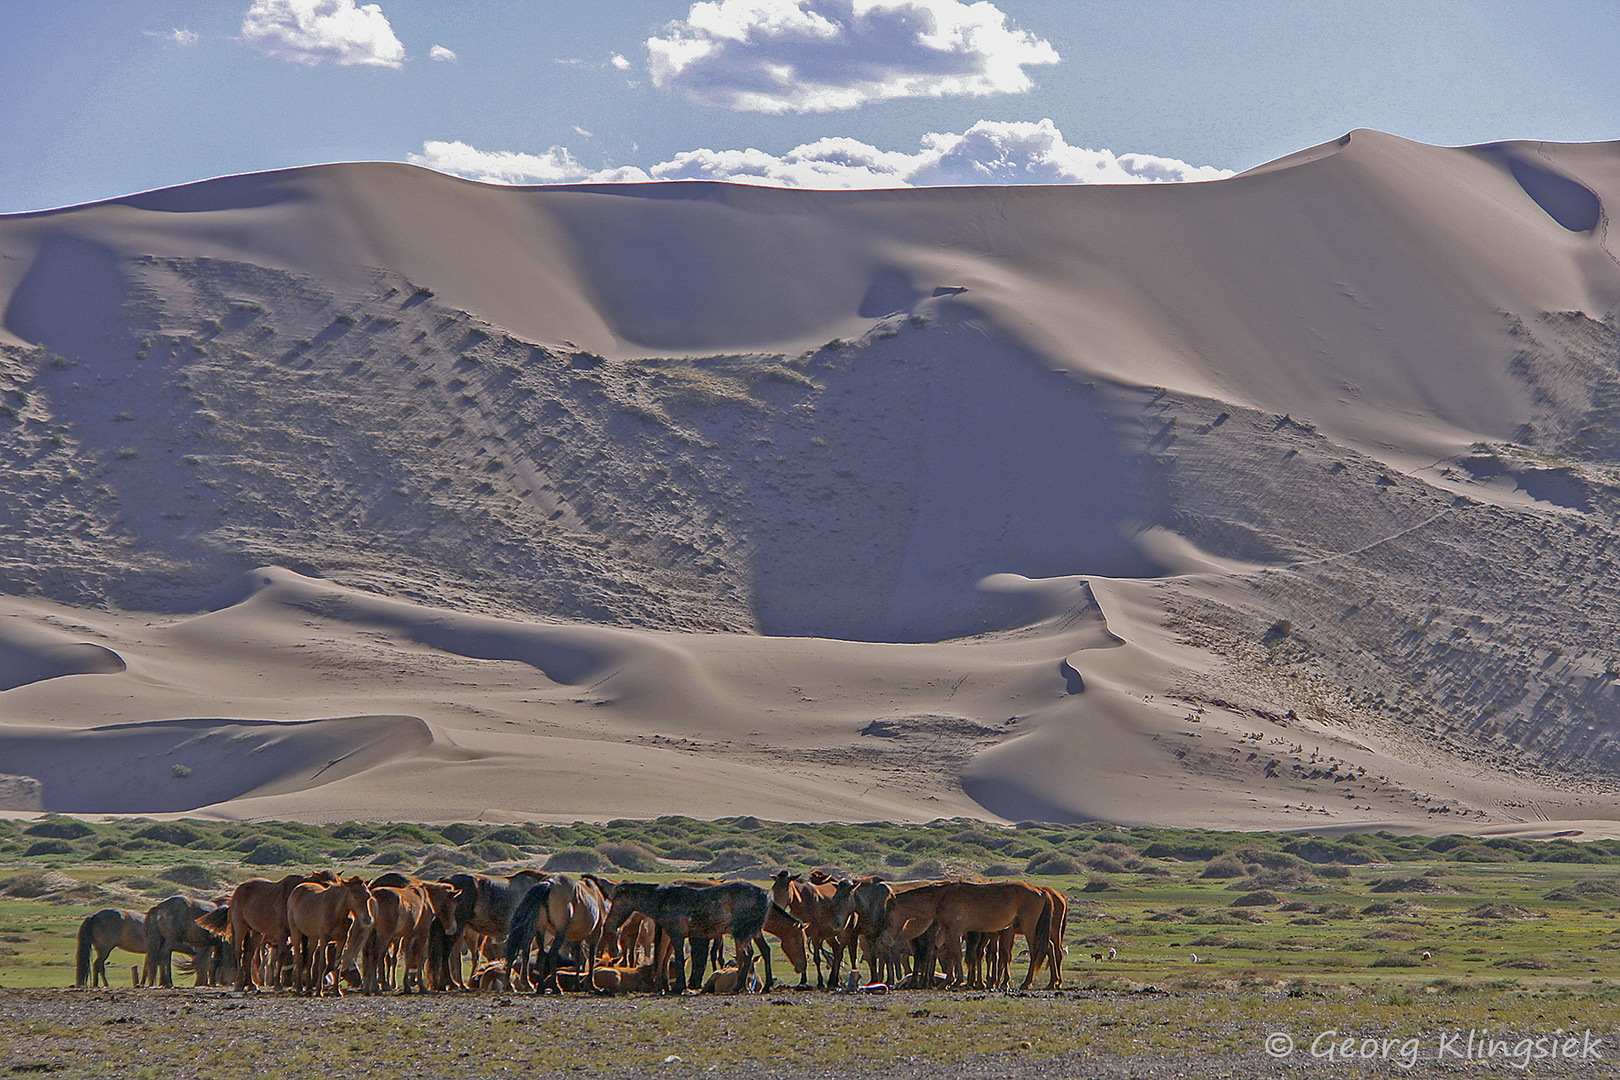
(555, 166)
(439, 52)
(776, 56)
(182, 38)
(620, 62)
(989, 152)
(312, 31)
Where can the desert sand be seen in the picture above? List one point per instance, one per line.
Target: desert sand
(1281, 501)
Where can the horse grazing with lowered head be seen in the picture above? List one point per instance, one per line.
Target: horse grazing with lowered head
(171, 926)
(736, 910)
(812, 904)
(102, 932)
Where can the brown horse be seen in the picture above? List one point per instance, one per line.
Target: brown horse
(406, 917)
(812, 904)
(863, 905)
(1055, 949)
(106, 930)
(257, 916)
(566, 910)
(989, 908)
(635, 937)
(320, 917)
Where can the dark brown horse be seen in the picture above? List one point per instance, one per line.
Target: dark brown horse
(171, 926)
(736, 910)
(106, 930)
(483, 906)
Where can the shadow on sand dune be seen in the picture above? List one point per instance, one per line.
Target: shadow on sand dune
(169, 766)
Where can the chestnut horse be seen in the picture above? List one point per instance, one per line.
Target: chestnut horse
(406, 918)
(812, 904)
(320, 917)
(106, 930)
(257, 915)
(989, 908)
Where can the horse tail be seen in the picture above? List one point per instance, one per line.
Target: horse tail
(217, 922)
(1040, 942)
(521, 927)
(87, 934)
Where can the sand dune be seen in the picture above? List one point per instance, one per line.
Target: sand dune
(1281, 501)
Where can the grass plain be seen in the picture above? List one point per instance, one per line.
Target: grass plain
(1219, 940)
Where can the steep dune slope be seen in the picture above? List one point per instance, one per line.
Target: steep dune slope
(1336, 437)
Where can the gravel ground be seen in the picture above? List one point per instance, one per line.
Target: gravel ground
(1091, 1034)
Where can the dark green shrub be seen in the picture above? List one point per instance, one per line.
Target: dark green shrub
(274, 851)
(461, 832)
(173, 833)
(50, 847)
(192, 876)
(687, 853)
(416, 834)
(1053, 864)
(60, 828)
(577, 860)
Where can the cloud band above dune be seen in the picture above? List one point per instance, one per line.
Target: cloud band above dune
(989, 152)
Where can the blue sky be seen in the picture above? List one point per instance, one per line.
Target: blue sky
(100, 98)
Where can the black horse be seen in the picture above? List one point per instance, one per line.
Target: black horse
(736, 910)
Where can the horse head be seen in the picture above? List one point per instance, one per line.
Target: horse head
(361, 904)
(445, 899)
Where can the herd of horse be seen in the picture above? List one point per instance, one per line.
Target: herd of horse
(315, 933)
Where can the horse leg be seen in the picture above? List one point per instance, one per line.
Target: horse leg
(554, 960)
(745, 962)
(678, 948)
(701, 948)
(98, 975)
(149, 968)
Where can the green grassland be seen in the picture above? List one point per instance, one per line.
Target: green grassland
(1258, 910)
